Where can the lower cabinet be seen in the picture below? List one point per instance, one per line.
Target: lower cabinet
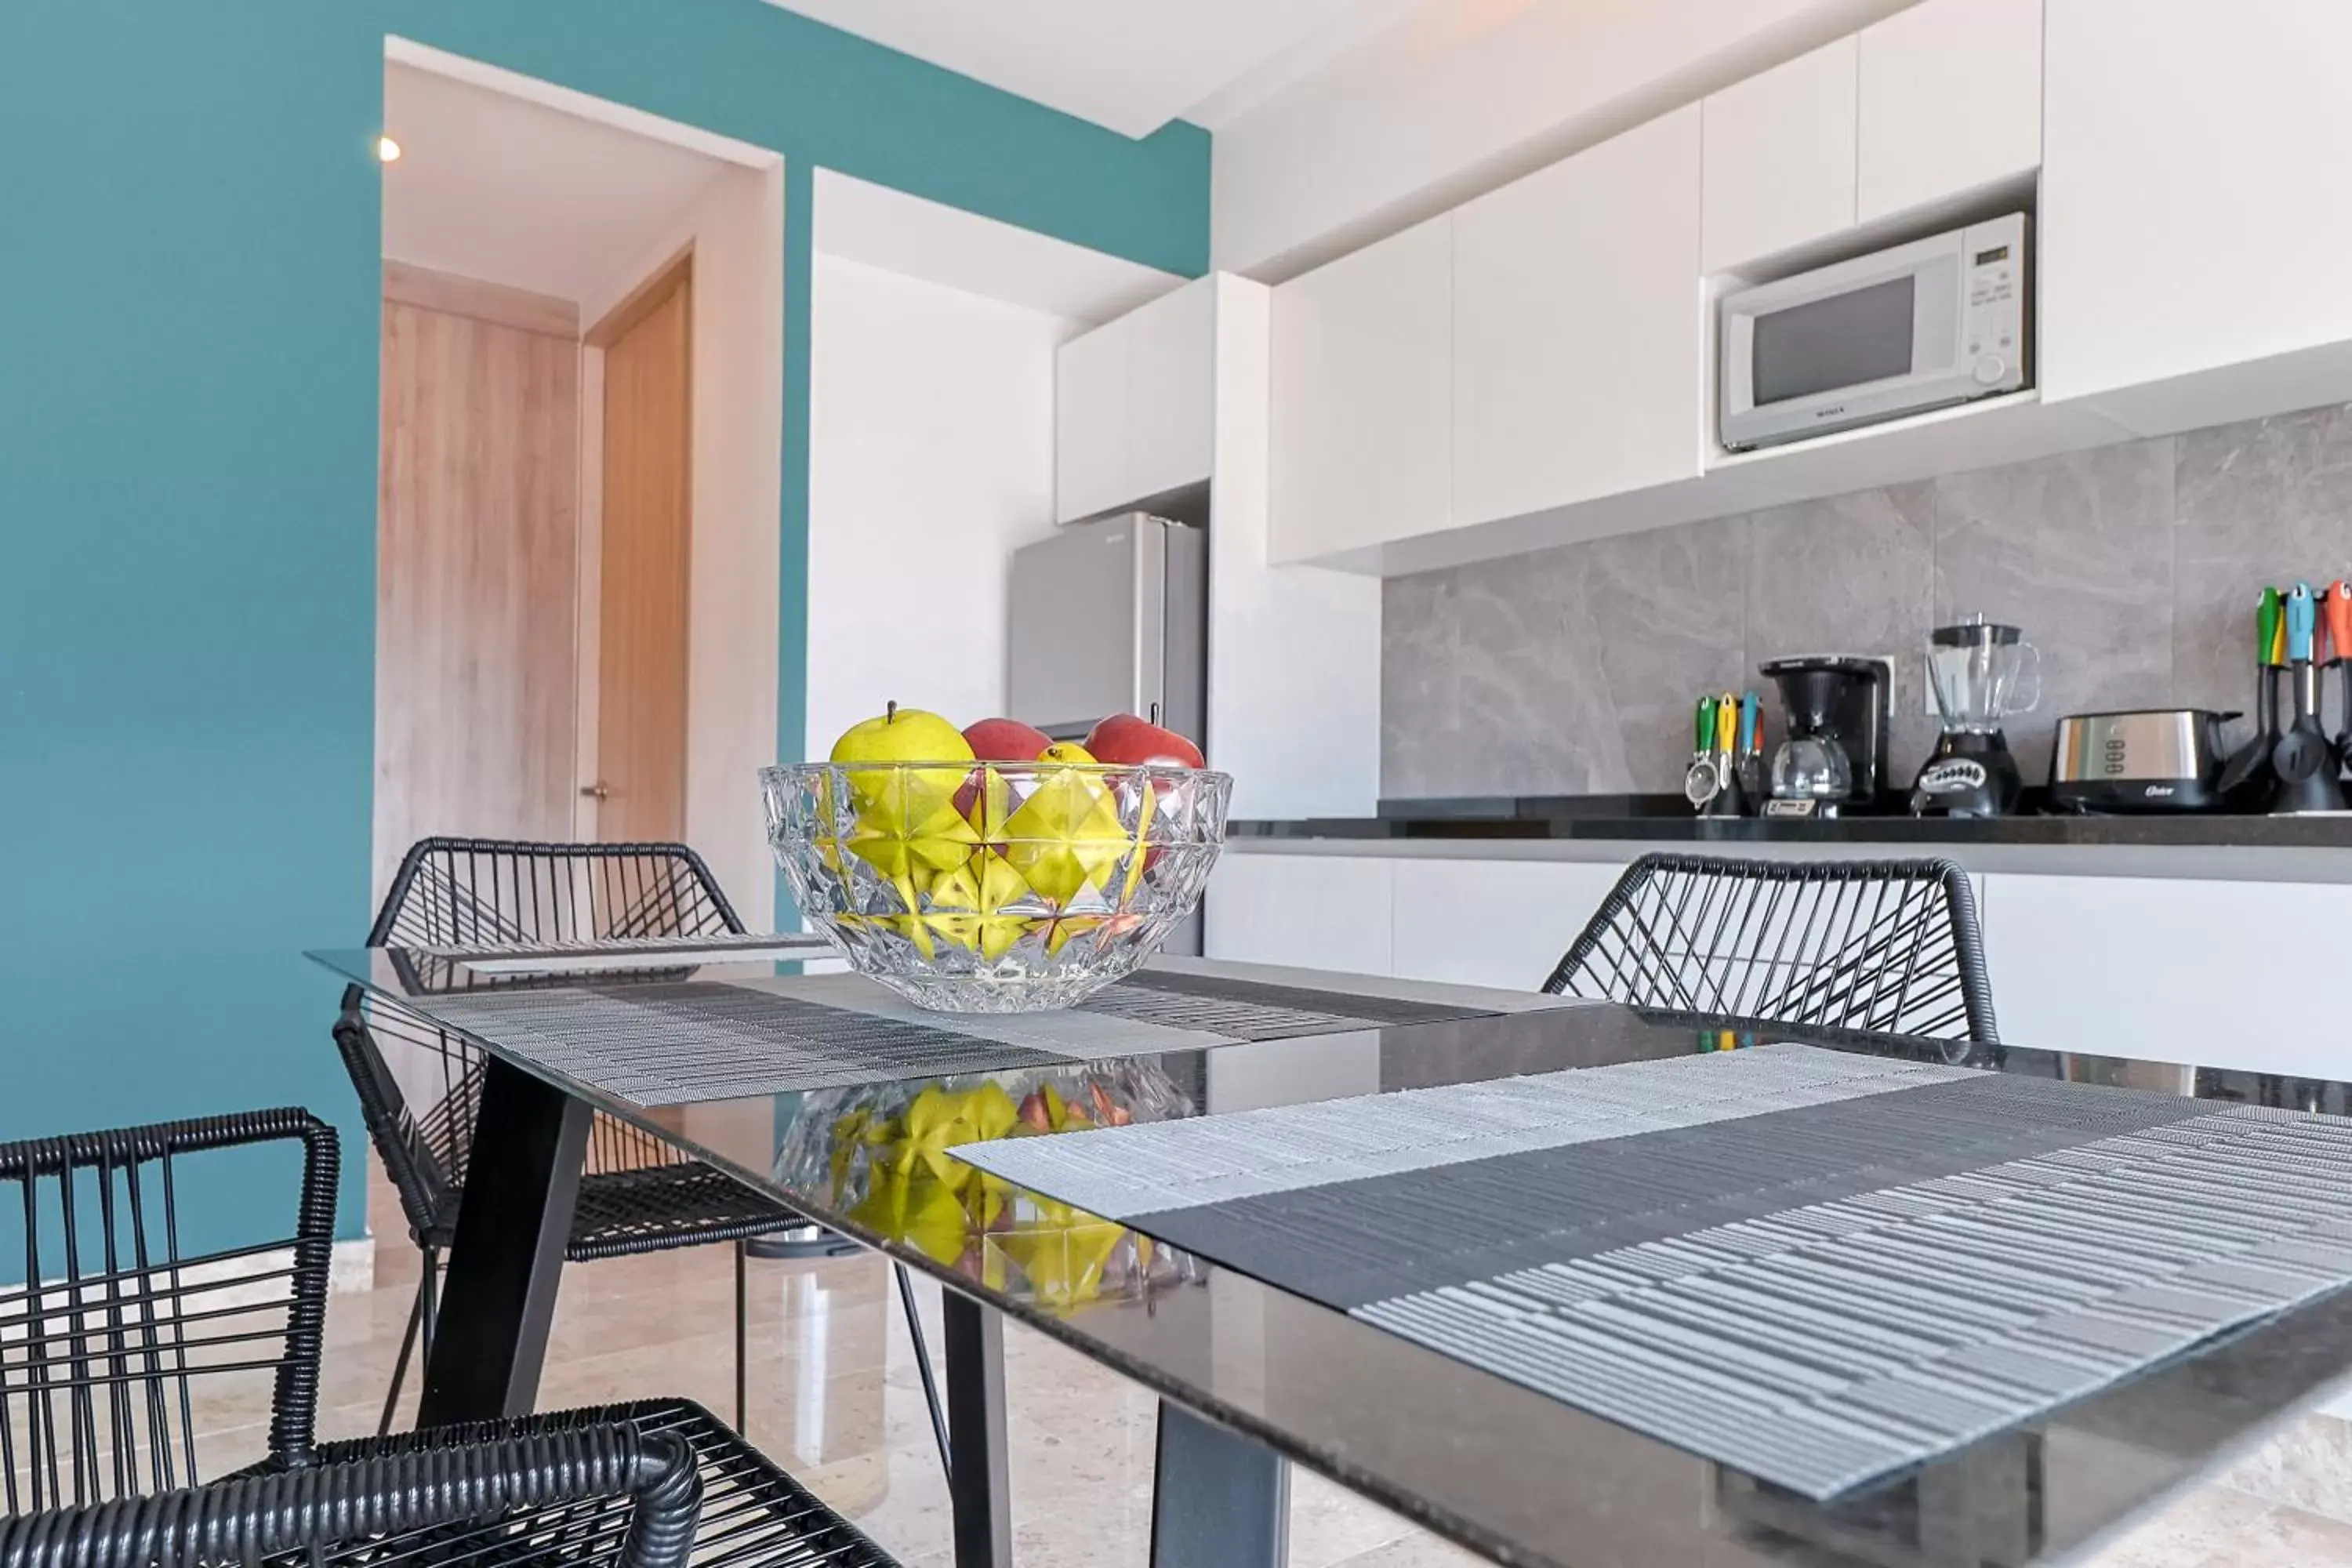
(2212, 974)
(1316, 911)
(1503, 924)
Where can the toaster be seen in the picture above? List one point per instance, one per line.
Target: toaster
(2152, 759)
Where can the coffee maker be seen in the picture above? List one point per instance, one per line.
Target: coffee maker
(1834, 758)
(1982, 673)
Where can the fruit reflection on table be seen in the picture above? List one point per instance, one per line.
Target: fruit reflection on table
(882, 1155)
(994, 868)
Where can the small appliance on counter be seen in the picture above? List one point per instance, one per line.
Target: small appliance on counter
(2151, 759)
(1834, 758)
(1921, 326)
(1983, 673)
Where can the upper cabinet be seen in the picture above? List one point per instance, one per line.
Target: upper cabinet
(1950, 96)
(1135, 403)
(2192, 207)
(1780, 164)
(1361, 433)
(1579, 360)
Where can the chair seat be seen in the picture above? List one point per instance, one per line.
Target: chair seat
(753, 1514)
(656, 1208)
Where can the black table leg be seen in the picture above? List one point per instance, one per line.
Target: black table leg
(978, 1485)
(1219, 1501)
(498, 1296)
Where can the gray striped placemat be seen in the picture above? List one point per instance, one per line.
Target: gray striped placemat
(689, 1041)
(1816, 1268)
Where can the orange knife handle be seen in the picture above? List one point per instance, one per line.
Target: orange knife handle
(2340, 619)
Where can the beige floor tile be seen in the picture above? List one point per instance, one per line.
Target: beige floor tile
(2286, 1537)
(2308, 1466)
(1417, 1550)
(2185, 1534)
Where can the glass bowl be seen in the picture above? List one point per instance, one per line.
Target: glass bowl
(995, 887)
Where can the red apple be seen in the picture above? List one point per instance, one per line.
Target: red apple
(998, 741)
(1127, 740)
(1006, 741)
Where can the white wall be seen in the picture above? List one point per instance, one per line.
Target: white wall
(737, 228)
(1462, 98)
(931, 460)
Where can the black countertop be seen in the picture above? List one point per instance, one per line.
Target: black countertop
(1668, 820)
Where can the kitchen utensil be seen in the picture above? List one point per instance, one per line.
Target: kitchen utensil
(2245, 780)
(2337, 609)
(1728, 799)
(1702, 779)
(2156, 759)
(1983, 673)
(1833, 757)
(2304, 758)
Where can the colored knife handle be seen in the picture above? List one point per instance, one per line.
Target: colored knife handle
(2302, 621)
(2267, 626)
(1726, 723)
(1703, 726)
(1752, 718)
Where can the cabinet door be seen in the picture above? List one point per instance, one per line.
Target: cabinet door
(2202, 973)
(1579, 364)
(1090, 421)
(1170, 405)
(1950, 100)
(1315, 911)
(1503, 924)
(2192, 196)
(1779, 162)
(1361, 428)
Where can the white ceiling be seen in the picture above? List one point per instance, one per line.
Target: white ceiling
(495, 187)
(1131, 65)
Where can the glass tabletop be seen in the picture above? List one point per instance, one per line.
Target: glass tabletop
(1499, 1467)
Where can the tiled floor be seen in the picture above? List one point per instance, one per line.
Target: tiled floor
(834, 1395)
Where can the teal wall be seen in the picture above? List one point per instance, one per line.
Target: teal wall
(189, 251)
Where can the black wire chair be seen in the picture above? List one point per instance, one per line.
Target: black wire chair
(1881, 947)
(638, 1194)
(136, 1292)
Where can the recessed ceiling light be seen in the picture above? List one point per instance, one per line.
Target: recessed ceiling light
(386, 150)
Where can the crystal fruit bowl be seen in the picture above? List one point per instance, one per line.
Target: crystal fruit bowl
(995, 887)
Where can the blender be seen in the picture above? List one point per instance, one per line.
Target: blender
(1982, 672)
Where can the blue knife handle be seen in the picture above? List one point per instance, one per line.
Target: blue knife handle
(2301, 620)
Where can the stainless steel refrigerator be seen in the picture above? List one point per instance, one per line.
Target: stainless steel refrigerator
(1112, 616)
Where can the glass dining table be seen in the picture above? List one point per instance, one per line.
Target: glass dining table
(838, 1100)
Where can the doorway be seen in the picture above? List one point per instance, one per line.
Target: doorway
(581, 473)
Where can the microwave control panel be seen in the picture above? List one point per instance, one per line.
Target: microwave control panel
(1994, 332)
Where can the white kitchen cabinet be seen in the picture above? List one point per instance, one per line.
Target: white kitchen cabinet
(1579, 360)
(2192, 215)
(1492, 923)
(1135, 405)
(2213, 974)
(1361, 427)
(1779, 160)
(1315, 911)
(1950, 96)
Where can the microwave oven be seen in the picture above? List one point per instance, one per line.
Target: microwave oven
(1921, 326)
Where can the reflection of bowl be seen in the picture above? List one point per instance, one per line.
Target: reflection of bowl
(881, 1154)
(999, 887)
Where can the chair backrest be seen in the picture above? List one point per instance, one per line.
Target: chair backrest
(134, 1285)
(1883, 946)
(455, 892)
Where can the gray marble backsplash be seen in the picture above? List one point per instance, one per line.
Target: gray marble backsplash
(2133, 568)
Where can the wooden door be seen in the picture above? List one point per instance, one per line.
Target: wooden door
(477, 565)
(642, 597)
